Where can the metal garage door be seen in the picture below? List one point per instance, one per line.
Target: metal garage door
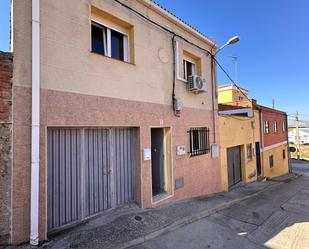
(89, 170)
(234, 165)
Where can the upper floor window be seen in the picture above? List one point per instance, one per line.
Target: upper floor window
(109, 42)
(189, 69)
(275, 127)
(266, 127)
(283, 126)
(240, 98)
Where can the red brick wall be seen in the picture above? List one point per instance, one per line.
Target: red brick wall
(6, 68)
(272, 137)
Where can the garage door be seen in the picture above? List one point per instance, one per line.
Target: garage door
(89, 171)
(234, 165)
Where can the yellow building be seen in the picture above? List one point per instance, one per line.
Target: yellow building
(270, 135)
(239, 137)
(229, 93)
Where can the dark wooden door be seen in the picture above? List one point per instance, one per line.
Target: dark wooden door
(258, 158)
(234, 165)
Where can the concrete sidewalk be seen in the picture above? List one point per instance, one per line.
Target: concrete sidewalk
(129, 225)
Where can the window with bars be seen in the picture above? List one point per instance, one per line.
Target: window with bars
(199, 141)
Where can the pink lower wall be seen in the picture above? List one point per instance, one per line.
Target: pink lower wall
(201, 174)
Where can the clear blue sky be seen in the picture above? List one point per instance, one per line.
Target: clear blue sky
(273, 51)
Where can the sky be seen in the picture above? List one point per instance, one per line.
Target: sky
(273, 53)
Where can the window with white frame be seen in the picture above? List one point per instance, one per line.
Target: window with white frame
(266, 127)
(109, 42)
(189, 69)
(275, 127)
(283, 126)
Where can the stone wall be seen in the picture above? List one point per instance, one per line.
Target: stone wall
(6, 68)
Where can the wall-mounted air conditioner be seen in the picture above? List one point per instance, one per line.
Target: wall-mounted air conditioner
(196, 84)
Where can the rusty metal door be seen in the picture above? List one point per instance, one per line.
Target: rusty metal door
(88, 171)
(234, 165)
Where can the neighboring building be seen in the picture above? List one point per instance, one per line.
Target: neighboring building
(239, 144)
(274, 140)
(273, 132)
(230, 94)
(303, 134)
(93, 121)
(6, 71)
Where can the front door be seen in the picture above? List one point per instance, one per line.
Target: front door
(234, 165)
(157, 161)
(258, 158)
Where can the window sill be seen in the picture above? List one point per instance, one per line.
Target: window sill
(111, 58)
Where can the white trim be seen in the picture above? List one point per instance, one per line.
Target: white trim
(184, 61)
(231, 87)
(247, 111)
(109, 42)
(177, 60)
(35, 130)
(100, 22)
(126, 50)
(273, 146)
(170, 17)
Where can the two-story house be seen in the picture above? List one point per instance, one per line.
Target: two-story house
(113, 102)
(272, 148)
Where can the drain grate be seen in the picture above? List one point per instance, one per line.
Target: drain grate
(138, 218)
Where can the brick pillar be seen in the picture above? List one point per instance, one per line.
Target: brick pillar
(6, 70)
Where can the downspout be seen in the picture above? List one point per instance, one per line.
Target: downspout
(288, 144)
(262, 139)
(35, 129)
(213, 94)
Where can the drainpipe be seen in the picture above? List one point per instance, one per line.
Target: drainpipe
(262, 139)
(35, 129)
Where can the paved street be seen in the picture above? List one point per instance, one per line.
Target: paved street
(300, 167)
(277, 218)
(270, 214)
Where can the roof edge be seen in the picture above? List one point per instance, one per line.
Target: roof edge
(176, 20)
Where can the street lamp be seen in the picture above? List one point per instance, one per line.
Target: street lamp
(231, 41)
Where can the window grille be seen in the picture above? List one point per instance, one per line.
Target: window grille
(199, 141)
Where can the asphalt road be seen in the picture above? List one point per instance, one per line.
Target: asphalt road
(277, 219)
(300, 167)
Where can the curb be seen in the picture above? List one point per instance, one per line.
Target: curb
(188, 220)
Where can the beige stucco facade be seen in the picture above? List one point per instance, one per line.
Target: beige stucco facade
(82, 89)
(281, 160)
(239, 131)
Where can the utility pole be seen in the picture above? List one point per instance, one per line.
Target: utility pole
(297, 138)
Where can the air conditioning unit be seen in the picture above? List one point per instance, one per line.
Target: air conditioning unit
(196, 84)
